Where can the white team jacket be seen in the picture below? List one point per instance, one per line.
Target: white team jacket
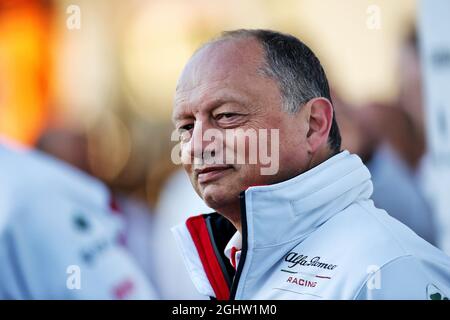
(58, 238)
(315, 236)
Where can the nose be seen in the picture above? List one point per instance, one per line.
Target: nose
(205, 143)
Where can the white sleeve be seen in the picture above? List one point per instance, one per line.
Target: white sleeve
(405, 278)
(11, 286)
(62, 250)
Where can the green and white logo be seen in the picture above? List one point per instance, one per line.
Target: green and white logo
(433, 293)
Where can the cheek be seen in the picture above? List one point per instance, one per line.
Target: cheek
(294, 135)
(186, 162)
(186, 159)
(187, 168)
(293, 149)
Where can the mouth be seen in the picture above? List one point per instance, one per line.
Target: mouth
(211, 173)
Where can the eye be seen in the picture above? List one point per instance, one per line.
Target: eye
(185, 131)
(186, 127)
(226, 115)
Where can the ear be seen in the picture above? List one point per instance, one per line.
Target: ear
(320, 120)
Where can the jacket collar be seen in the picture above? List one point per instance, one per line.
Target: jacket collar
(294, 208)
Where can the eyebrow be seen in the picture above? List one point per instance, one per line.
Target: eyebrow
(213, 104)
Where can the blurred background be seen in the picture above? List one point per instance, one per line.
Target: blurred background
(112, 78)
(92, 81)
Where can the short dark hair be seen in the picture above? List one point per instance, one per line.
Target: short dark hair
(296, 69)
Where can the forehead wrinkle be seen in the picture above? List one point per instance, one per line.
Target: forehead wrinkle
(194, 94)
(218, 99)
(214, 66)
(190, 98)
(226, 55)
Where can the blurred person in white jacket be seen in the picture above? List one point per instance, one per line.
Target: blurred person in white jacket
(134, 215)
(58, 236)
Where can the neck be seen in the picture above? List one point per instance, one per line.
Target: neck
(233, 214)
(320, 156)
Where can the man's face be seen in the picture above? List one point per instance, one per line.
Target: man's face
(221, 90)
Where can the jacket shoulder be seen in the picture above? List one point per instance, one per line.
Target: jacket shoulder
(373, 233)
(364, 241)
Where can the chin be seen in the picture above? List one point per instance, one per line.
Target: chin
(218, 197)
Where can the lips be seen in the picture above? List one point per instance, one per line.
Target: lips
(211, 173)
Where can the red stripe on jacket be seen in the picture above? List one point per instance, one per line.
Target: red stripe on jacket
(200, 235)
